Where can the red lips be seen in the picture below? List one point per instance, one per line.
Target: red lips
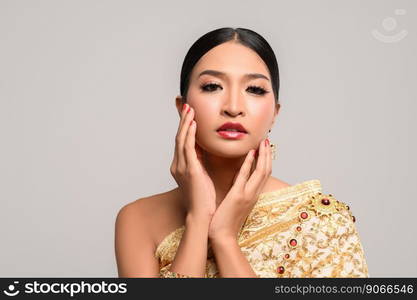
(229, 125)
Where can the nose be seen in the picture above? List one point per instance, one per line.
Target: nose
(233, 104)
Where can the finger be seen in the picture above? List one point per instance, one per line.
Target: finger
(244, 171)
(183, 114)
(182, 137)
(255, 161)
(259, 174)
(180, 123)
(268, 166)
(189, 148)
(199, 150)
(268, 160)
(265, 155)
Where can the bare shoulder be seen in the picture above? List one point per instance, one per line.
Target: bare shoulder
(138, 227)
(152, 215)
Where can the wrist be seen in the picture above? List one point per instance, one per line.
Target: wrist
(197, 220)
(222, 241)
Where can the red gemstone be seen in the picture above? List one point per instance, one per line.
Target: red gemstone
(280, 269)
(287, 256)
(353, 219)
(304, 215)
(293, 242)
(298, 228)
(325, 201)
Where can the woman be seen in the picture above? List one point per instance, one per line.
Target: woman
(229, 217)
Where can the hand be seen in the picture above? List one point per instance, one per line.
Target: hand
(188, 169)
(241, 198)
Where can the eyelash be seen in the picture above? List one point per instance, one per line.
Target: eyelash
(261, 91)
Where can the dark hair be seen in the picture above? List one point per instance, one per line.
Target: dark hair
(244, 36)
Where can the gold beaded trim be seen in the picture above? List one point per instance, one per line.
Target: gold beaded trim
(172, 274)
(325, 204)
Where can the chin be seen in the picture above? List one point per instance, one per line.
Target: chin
(227, 149)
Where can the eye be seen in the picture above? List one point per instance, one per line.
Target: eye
(210, 87)
(257, 90)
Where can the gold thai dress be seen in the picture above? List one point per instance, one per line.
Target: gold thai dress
(296, 231)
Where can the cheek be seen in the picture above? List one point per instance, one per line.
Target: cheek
(205, 110)
(263, 115)
(205, 117)
(266, 112)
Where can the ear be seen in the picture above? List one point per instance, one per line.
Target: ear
(179, 103)
(277, 107)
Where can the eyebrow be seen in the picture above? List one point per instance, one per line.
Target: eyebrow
(221, 74)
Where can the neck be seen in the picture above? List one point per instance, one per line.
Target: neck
(222, 171)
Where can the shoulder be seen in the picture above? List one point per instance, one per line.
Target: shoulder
(135, 227)
(329, 216)
(328, 226)
(144, 215)
(274, 184)
(327, 205)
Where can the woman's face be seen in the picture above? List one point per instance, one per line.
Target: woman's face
(227, 95)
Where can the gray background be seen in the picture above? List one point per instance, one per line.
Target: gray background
(88, 120)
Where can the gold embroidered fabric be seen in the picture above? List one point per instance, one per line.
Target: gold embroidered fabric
(296, 231)
(166, 273)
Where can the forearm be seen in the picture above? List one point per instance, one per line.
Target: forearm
(191, 255)
(230, 260)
